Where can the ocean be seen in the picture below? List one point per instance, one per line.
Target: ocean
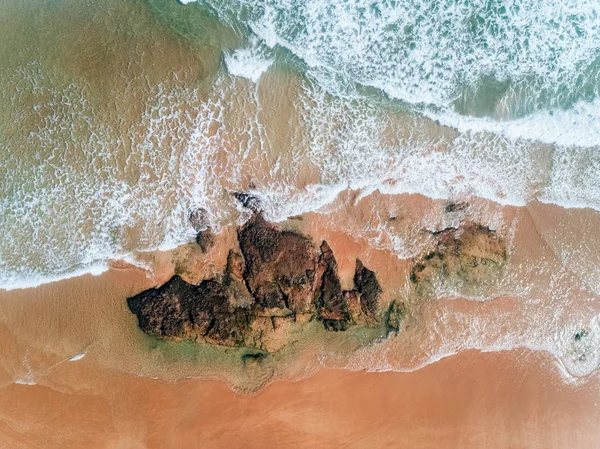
(119, 118)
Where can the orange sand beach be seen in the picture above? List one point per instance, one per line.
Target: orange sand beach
(77, 372)
(472, 400)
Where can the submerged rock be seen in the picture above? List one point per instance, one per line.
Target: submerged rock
(580, 335)
(394, 317)
(464, 257)
(198, 218)
(277, 282)
(248, 201)
(455, 207)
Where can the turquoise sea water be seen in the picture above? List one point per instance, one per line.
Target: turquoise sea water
(498, 60)
(119, 117)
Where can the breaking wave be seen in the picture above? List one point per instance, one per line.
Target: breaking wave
(514, 81)
(525, 68)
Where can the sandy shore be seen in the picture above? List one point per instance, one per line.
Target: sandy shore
(472, 400)
(77, 372)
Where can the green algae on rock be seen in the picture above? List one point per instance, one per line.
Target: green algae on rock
(463, 259)
(394, 316)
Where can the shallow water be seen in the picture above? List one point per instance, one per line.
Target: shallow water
(118, 118)
(362, 122)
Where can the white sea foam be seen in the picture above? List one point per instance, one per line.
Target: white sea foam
(577, 126)
(574, 180)
(184, 159)
(25, 381)
(250, 62)
(452, 330)
(353, 145)
(74, 207)
(12, 281)
(543, 52)
(347, 142)
(28, 378)
(77, 357)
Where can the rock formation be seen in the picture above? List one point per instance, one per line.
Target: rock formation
(280, 266)
(368, 288)
(394, 317)
(464, 257)
(198, 218)
(205, 240)
(279, 280)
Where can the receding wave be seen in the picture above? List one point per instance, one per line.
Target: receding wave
(288, 116)
(530, 61)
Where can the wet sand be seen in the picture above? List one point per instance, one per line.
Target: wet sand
(77, 372)
(472, 400)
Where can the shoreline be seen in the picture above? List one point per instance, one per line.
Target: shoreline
(435, 329)
(470, 400)
(100, 267)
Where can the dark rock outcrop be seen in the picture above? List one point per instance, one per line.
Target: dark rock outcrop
(280, 266)
(179, 310)
(368, 287)
(248, 201)
(164, 312)
(279, 280)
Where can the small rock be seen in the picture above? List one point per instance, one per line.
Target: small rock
(253, 358)
(580, 335)
(198, 218)
(455, 207)
(248, 201)
(206, 240)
